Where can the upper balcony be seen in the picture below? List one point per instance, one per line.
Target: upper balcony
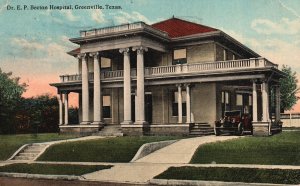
(120, 29)
(181, 70)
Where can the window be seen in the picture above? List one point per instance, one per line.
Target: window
(250, 100)
(239, 100)
(225, 97)
(106, 106)
(225, 102)
(224, 55)
(179, 56)
(105, 63)
(175, 103)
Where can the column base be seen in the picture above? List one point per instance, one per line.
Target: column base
(129, 122)
(261, 128)
(165, 130)
(141, 123)
(79, 130)
(100, 123)
(85, 123)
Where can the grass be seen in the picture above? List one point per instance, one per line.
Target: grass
(120, 149)
(10, 143)
(249, 175)
(54, 169)
(280, 149)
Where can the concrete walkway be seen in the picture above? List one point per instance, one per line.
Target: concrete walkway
(155, 163)
(130, 172)
(181, 151)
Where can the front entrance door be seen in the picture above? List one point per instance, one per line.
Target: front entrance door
(148, 107)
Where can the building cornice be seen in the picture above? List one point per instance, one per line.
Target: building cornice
(120, 31)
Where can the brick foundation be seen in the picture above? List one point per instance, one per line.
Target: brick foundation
(162, 130)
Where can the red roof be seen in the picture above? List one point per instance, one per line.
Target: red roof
(177, 27)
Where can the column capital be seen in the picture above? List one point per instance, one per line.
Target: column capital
(81, 56)
(94, 54)
(140, 49)
(187, 84)
(179, 85)
(125, 51)
(65, 92)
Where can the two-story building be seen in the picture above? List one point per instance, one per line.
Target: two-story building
(163, 78)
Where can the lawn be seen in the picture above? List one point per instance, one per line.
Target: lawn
(119, 149)
(54, 169)
(280, 149)
(10, 143)
(249, 175)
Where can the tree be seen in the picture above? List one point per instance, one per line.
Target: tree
(38, 114)
(288, 88)
(10, 95)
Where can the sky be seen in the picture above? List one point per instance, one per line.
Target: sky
(33, 43)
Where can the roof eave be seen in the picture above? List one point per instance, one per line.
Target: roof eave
(197, 36)
(228, 37)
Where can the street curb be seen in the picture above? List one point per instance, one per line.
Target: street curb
(40, 176)
(202, 183)
(148, 148)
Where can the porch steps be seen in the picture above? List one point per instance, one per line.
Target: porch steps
(110, 130)
(201, 129)
(30, 152)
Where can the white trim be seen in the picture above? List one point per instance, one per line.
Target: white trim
(155, 126)
(79, 126)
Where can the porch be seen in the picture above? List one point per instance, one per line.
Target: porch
(174, 109)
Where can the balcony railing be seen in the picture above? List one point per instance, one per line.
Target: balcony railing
(120, 28)
(193, 68)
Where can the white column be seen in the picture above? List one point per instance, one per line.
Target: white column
(66, 105)
(85, 90)
(179, 100)
(188, 103)
(277, 103)
(254, 101)
(140, 92)
(60, 104)
(127, 87)
(265, 102)
(97, 90)
(79, 66)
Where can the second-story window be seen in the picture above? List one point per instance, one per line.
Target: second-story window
(105, 64)
(179, 56)
(224, 55)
